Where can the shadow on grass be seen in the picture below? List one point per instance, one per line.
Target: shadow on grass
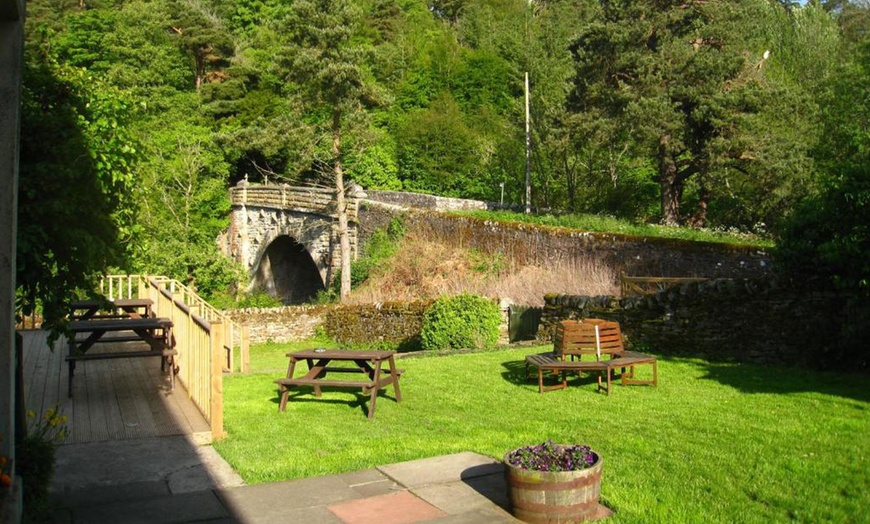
(758, 378)
(516, 373)
(360, 401)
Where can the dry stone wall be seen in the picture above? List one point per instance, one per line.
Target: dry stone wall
(748, 320)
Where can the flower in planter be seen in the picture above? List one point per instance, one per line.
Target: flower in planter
(552, 457)
(5, 479)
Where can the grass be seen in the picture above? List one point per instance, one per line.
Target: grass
(609, 224)
(713, 443)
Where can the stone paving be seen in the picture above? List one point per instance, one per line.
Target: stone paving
(170, 480)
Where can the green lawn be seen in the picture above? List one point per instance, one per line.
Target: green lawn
(712, 443)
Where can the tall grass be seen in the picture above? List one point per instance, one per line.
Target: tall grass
(712, 443)
(426, 268)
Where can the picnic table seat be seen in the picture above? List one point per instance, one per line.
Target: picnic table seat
(601, 342)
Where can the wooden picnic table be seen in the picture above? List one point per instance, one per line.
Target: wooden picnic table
(118, 308)
(156, 332)
(368, 363)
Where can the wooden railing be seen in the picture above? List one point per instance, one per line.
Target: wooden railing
(235, 337)
(204, 338)
(646, 285)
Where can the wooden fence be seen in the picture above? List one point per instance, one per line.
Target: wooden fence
(646, 285)
(204, 337)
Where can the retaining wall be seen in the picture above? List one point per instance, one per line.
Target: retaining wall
(749, 320)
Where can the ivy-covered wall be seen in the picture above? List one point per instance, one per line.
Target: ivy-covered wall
(393, 325)
(748, 320)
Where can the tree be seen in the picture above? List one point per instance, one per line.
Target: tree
(76, 206)
(686, 78)
(330, 63)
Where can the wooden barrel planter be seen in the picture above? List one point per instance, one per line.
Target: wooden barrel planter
(554, 497)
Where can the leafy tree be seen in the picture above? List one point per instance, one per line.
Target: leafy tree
(331, 66)
(686, 81)
(76, 205)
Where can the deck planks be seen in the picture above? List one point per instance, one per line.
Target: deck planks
(117, 399)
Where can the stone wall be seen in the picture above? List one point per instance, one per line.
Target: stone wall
(534, 244)
(423, 201)
(395, 325)
(747, 320)
(283, 324)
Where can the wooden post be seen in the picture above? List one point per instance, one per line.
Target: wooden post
(217, 380)
(245, 349)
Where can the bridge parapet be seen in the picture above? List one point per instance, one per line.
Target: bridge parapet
(315, 200)
(270, 223)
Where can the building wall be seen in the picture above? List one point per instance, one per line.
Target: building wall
(11, 44)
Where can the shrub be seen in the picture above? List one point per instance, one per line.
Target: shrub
(460, 322)
(36, 460)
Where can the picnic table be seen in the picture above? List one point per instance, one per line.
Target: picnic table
(118, 308)
(368, 363)
(156, 332)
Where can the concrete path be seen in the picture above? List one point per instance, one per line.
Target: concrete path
(169, 480)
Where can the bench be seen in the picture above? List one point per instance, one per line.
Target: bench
(146, 329)
(365, 385)
(591, 337)
(548, 362)
(367, 363)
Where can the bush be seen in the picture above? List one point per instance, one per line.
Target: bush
(36, 461)
(461, 322)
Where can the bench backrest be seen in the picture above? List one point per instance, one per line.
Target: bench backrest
(596, 337)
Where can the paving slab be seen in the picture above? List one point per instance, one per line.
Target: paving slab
(443, 469)
(401, 507)
(176, 461)
(170, 509)
(273, 501)
(453, 497)
(479, 516)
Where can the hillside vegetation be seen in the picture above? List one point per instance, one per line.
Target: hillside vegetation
(137, 115)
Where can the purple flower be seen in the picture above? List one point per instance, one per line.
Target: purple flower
(552, 457)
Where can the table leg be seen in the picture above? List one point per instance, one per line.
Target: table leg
(376, 383)
(395, 377)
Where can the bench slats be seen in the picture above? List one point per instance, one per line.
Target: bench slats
(122, 354)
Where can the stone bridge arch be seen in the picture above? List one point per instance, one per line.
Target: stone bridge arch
(287, 237)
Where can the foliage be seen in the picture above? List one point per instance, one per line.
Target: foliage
(393, 326)
(718, 452)
(76, 206)
(36, 459)
(379, 247)
(609, 224)
(552, 457)
(461, 322)
(685, 83)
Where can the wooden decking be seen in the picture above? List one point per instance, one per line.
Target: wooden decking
(118, 399)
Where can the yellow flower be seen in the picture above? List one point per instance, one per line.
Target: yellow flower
(31, 413)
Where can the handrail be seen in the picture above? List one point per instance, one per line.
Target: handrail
(235, 335)
(204, 337)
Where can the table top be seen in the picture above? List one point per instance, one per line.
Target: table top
(120, 324)
(341, 354)
(119, 302)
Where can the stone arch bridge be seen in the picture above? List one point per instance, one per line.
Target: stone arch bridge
(287, 237)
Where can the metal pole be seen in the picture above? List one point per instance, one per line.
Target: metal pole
(528, 152)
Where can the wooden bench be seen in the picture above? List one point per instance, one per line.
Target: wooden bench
(365, 385)
(596, 338)
(156, 332)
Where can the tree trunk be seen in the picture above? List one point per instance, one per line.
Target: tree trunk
(670, 182)
(341, 204)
